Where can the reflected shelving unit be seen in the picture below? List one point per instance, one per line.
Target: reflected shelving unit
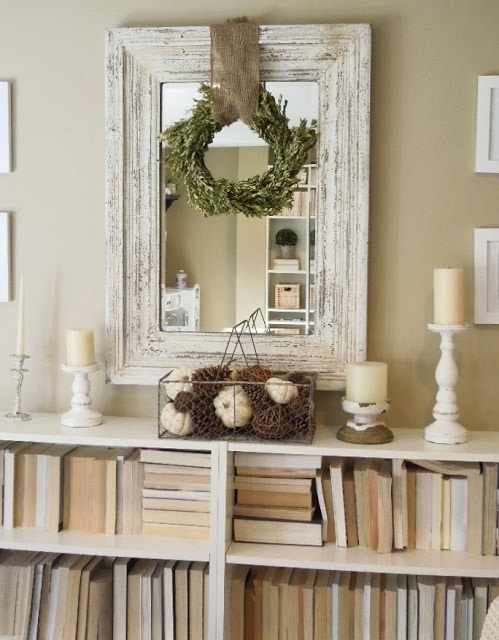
(290, 282)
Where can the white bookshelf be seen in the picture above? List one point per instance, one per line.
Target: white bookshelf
(220, 551)
(116, 432)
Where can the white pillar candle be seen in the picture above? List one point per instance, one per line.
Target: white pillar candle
(20, 321)
(79, 347)
(448, 296)
(366, 382)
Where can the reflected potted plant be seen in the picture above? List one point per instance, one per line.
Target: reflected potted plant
(171, 185)
(286, 240)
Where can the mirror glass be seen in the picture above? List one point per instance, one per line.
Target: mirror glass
(216, 271)
(317, 318)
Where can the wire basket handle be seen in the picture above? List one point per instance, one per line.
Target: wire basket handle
(246, 328)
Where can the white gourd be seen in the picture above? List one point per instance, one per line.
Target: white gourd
(178, 380)
(233, 406)
(176, 422)
(281, 391)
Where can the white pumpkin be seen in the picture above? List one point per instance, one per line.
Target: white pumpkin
(233, 406)
(176, 422)
(177, 381)
(281, 391)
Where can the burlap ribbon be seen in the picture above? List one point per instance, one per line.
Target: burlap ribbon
(235, 70)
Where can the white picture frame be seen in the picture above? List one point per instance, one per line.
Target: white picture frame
(5, 280)
(5, 129)
(487, 276)
(487, 125)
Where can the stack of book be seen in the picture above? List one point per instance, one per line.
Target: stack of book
(176, 493)
(276, 499)
(272, 602)
(286, 264)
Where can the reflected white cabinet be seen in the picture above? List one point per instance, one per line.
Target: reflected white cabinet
(290, 281)
(180, 308)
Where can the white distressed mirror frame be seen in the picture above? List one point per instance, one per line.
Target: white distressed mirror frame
(138, 61)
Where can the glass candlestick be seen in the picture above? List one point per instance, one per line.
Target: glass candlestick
(81, 413)
(18, 371)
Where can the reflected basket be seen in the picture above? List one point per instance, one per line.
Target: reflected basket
(221, 403)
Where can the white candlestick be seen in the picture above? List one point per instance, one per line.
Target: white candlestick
(81, 413)
(366, 382)
(448, 296)
(20, 321)
(446, 429)
(80, 347)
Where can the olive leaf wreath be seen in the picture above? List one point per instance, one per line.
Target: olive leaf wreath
(258, 196)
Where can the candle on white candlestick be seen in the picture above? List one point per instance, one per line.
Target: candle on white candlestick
(20, 321)
(366, 382)
(448, 296)
(80, 347)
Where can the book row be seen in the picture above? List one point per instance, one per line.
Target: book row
(399, 504)
(46, 596)
(303, 205)
(305, 604)
(379, 504)
(104, 489)
(383, 505)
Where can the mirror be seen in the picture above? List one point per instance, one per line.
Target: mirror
(227, 264)
(139, 62)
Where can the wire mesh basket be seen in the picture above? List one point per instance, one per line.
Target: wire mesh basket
(246, 402)
(252, 403)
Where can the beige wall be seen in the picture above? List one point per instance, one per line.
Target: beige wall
(205, 248)
(425, 197)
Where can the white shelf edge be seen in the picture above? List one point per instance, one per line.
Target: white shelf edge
(482, 446)
(330, 557)
(271, 218)
(114, 432)
(83, 543)
(296, 272)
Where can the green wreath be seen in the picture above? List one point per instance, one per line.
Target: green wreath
(258, 196)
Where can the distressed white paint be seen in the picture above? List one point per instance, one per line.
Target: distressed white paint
(139, 60)
(5, 142)
(4, 257)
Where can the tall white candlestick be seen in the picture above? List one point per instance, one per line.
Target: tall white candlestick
(80, 347)
(366, 382)
(20, 321)
(448, 296)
